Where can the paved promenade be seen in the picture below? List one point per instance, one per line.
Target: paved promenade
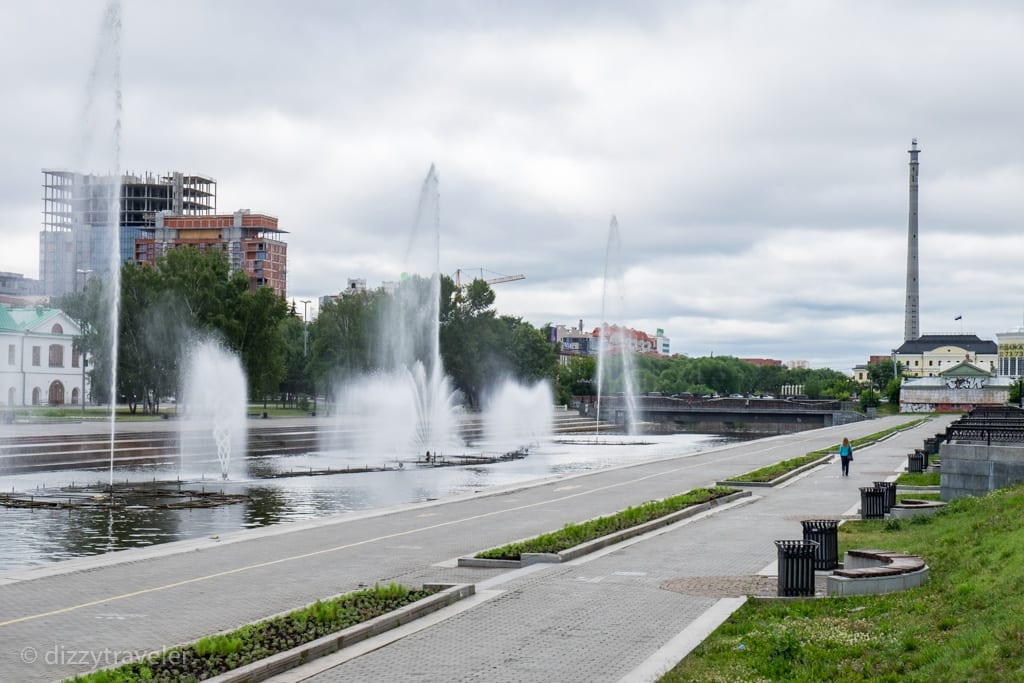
(623, 614)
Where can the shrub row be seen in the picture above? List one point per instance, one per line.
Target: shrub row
(771, 472)
(574, 534)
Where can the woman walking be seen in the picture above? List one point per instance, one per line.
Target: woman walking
(846, 456)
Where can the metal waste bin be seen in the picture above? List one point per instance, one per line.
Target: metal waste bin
(872, 503)
(824, 532)
(931, 446)
(890, 494)
(915, 461)
(796, 567)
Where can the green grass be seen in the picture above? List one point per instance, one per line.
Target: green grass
(271, 411)
(223, 652)
(918, 479)
(772, 472)
(572, 535)
(966, 624)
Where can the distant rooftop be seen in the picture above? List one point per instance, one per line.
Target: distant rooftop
(930, 342)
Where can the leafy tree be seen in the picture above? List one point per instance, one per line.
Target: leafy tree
(150, 340)
(90, 309)
(187, 295)
(1016, 392)
(769, 379)
(470, 334)
(531, 355)
(479, 348)
(293, 333)
(869, 398)
(254, 332)
(892, 391)
(880, 372)
(576, 378)
(342, 338)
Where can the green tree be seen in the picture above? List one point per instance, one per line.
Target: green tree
(254, 332)
(880, 372)
(575, 378)
(869, 398)
(342, 338)
(470, 334)
(531, 355)
(1016, 391)
(186, 296)
(892, 391)
(90, 309)
(150, 340)
(479, 348)
(296, 354)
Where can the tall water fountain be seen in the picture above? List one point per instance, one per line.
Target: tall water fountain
(214, 411)
(98, 226)
(407, 406)
(517, 416)
(613, 345)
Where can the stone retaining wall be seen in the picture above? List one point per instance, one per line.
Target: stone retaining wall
(977, 469)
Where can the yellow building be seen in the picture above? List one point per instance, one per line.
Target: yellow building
(930, 354)
(1011, 353)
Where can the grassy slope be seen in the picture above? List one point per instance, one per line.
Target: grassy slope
(966, 624)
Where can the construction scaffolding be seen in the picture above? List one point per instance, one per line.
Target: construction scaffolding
(77, 212)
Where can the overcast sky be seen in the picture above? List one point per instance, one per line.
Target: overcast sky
(754, 153)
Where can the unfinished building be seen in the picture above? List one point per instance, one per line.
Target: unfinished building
(78, 210)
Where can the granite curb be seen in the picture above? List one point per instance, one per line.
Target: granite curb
(269, 667)
(781, 478)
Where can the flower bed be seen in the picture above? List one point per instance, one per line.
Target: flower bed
(224, 652)
(572, 535)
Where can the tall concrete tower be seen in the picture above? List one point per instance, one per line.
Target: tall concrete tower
(912, 320)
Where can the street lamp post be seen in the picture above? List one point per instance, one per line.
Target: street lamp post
(305, 327)
(305, 339)
(81, 397)
(84, 272)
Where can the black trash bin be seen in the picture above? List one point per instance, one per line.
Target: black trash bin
(872, 503)
(796, 567)
(824, 532)
(915, 461)
(931, 446)
(890, 494)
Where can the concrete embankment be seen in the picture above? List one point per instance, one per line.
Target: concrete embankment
(86, 445)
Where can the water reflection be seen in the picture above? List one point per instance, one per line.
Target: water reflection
(35, 536)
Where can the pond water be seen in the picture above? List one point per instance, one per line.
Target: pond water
(30, 537)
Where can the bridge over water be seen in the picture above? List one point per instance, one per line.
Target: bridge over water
(735, 415)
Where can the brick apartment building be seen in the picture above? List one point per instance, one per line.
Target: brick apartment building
(252, 242)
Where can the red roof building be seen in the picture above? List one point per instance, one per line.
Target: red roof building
(623, 338)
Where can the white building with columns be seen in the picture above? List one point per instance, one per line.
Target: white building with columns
(38, 362)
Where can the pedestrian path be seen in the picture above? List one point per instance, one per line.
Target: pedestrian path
(621, 614)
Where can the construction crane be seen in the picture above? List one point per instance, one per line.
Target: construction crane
(491, 281)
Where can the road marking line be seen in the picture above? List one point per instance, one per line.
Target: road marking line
(356, 544)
